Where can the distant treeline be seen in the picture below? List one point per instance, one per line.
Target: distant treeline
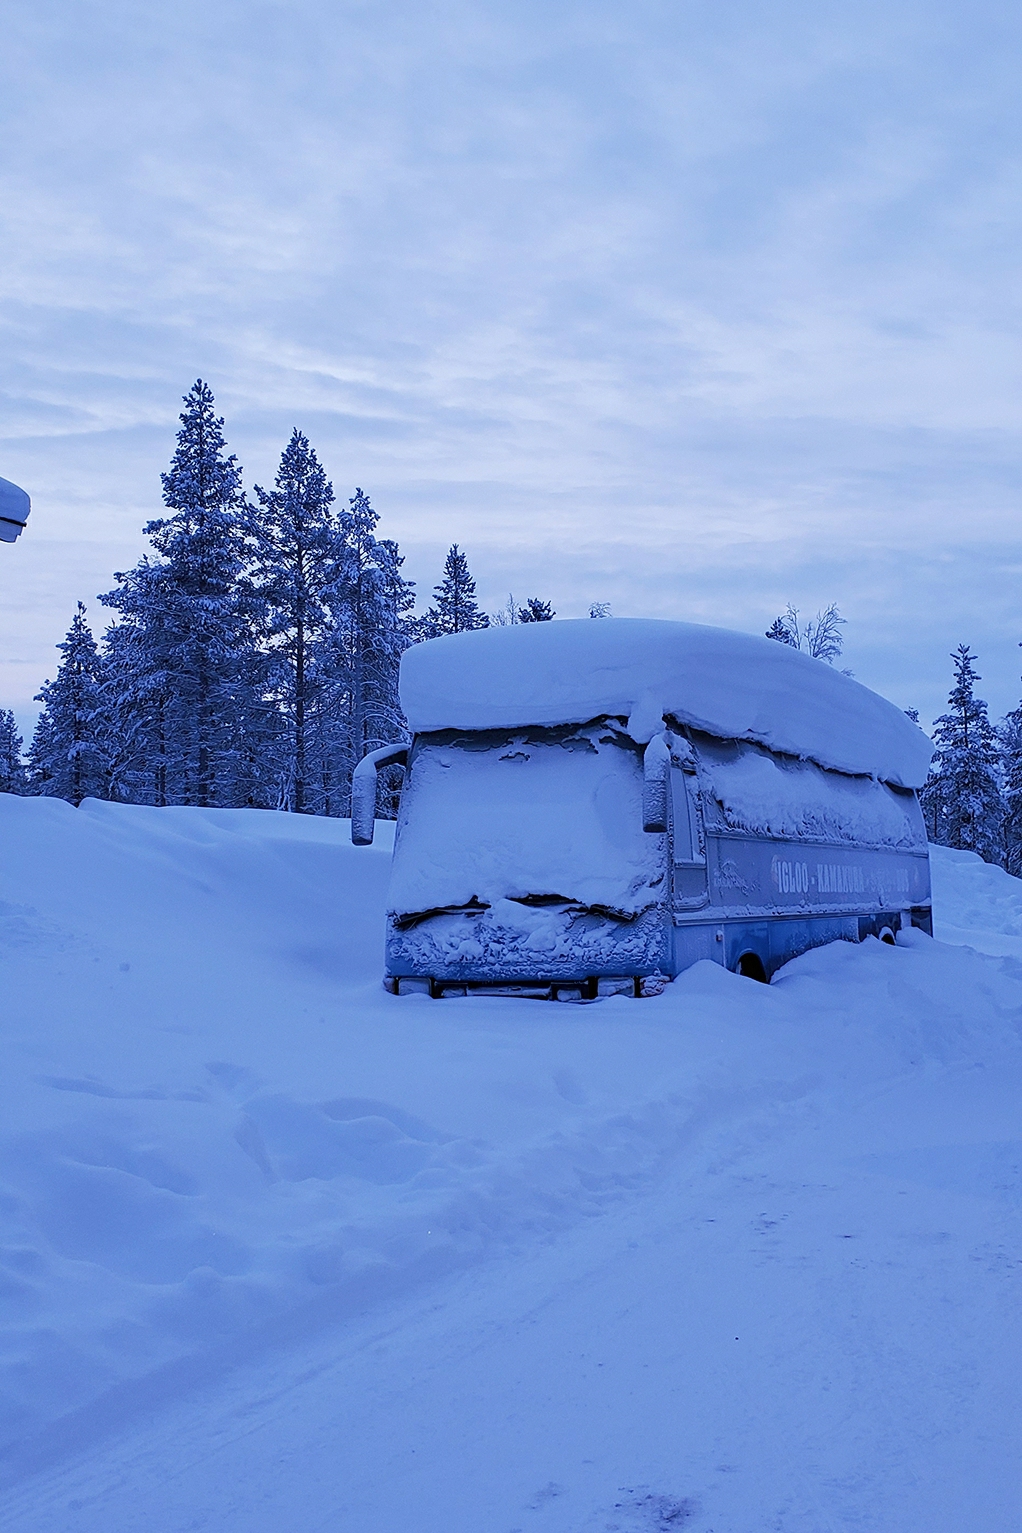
(253, 659)
(254, 656)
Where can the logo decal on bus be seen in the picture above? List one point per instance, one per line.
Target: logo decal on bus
(790, 877)
(837, 878)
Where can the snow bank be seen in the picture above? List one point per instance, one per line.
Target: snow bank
(213, 1122)
(732, 685)
(212, 1116)
(975, 902)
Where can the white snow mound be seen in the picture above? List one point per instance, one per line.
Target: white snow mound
(222, 1143)
(728, 684)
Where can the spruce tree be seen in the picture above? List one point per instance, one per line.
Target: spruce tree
(370, 603)
(396, 633)
(13, 777)
(196, 682)
(67, 758)
(1010, 739)
(962, 801)
(454, 608)
(780, 631)
(297, 562)
(137, 690)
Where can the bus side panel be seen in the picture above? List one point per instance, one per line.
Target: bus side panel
(789, 877)
(775, 941)
(790, 938)
(694, 942)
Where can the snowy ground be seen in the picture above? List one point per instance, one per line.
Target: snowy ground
(282, 1253)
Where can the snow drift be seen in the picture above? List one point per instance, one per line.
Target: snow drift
(732, 685)
(217, 1133)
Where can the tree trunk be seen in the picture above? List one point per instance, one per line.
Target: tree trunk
(300, 769)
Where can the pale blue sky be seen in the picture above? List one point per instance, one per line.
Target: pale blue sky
(689, 307)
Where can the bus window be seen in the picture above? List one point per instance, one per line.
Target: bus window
(686, 836)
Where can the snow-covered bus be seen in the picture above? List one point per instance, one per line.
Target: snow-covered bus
(589, 807)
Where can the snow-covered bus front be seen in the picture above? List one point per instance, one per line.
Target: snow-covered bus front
(590, 807)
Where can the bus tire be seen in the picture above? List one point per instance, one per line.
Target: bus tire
(752, 967)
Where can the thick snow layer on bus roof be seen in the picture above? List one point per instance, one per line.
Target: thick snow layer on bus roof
(732, 685)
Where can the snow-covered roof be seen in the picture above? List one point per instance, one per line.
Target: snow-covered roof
(728, 684)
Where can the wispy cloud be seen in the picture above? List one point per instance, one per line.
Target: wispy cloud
(690, 308)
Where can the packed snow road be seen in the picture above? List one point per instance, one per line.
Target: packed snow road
(283, 1252)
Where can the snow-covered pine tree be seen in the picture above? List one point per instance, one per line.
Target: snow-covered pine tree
(1010, 741)
(195, 684)
(397, 632)
(454, 608)
(398, 600)
(961, 801)
(370, 603)
(136, 690)
(13, 777)
(780, 631)
(67, 758)
(297, 549)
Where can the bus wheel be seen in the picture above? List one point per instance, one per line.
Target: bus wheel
(888, 936)
(751, 965)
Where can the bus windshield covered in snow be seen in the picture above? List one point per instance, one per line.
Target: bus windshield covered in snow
(524, 851)
(710, 799)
